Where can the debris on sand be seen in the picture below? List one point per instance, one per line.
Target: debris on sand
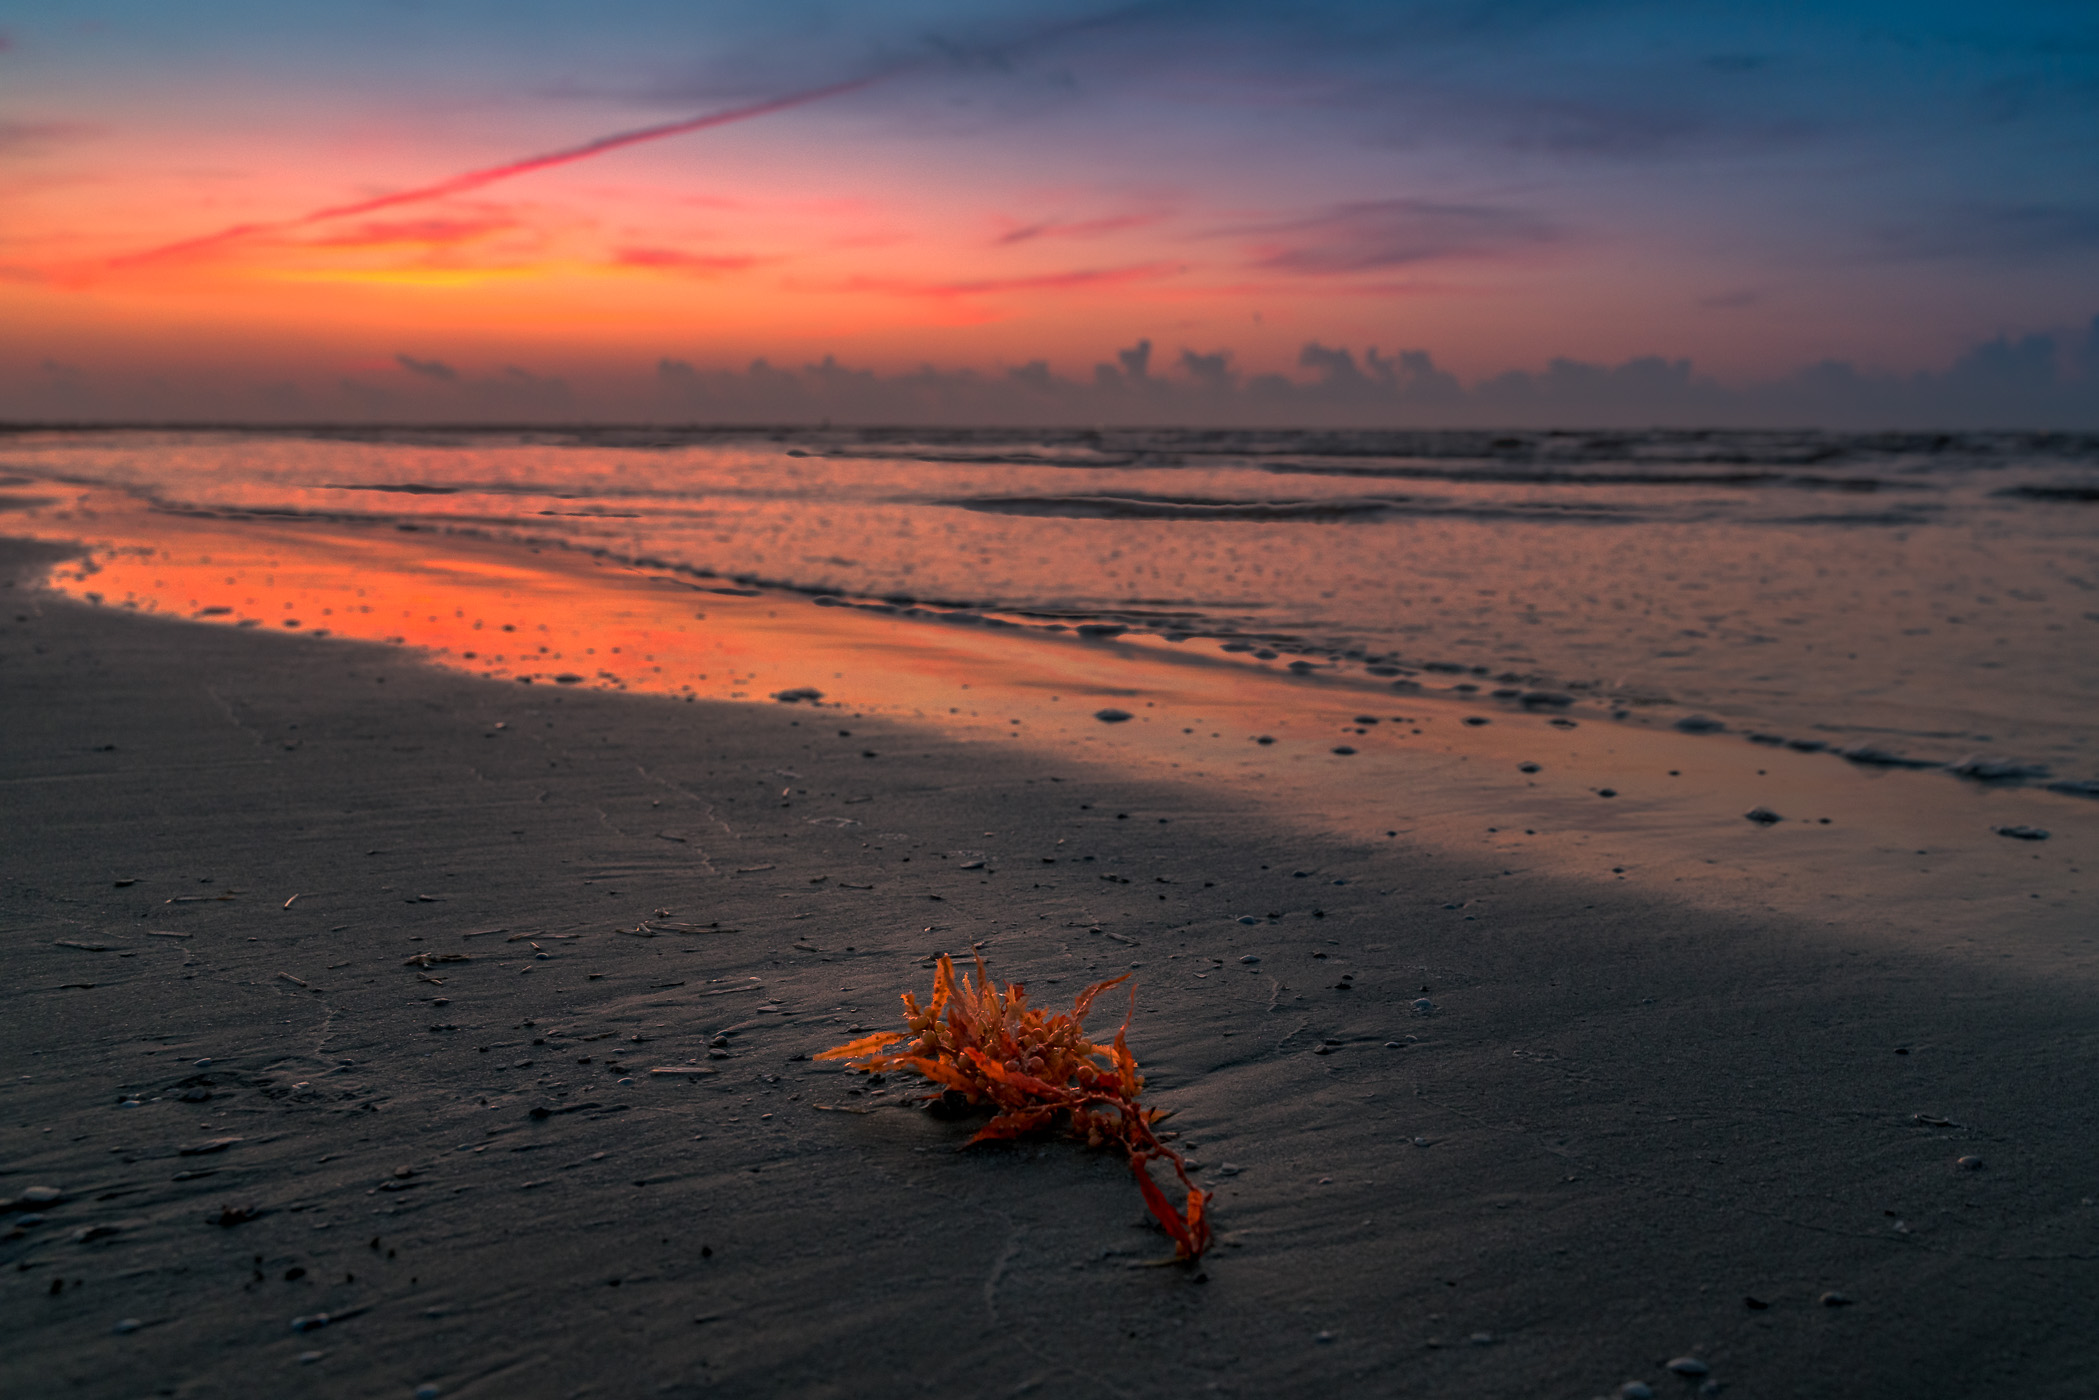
(1037, 1070)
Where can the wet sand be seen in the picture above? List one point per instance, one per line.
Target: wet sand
(1630, 1125)
(1545, 783)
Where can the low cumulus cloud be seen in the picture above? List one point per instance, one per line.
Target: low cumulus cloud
(428, 369)
(536, 395)
(509, 391)
(2039, 380)
(2031, 381)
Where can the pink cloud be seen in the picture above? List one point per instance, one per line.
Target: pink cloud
(676, 260)
(1041, 282)
(1078, 228)
(427, 233)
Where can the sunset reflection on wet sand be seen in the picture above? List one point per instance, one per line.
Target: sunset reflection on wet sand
(1572, 791)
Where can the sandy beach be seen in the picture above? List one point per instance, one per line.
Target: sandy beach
(383, 1031)
(1503, 599)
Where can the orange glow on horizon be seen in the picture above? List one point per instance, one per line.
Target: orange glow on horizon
(716, 248)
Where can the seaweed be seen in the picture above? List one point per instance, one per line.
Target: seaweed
(1039, 1071)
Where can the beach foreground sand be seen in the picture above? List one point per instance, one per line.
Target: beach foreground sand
(1548, 1137)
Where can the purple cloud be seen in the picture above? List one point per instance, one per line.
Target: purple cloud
(1375, 234)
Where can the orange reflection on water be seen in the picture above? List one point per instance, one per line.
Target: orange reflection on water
(549, 615)
(1521, 792)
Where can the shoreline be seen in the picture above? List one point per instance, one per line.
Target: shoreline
(1633, 1112)
(1917, 854)
(1900, 639)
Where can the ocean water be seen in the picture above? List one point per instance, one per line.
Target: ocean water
(1920, 598)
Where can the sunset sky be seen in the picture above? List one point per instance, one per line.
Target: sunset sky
(232, 210)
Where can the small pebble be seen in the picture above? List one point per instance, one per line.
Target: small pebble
(307, 1358)
(1968, 1164)
(1836, 1300)
(1250, 957)
(427, 1392)
(1423, 1006)
(1111, 716)
(1636, 1390)
(1689, 1366)
(127, 1326)
(2022, 833)
(1762, 816)
(41, 1195)
(1322, 1336)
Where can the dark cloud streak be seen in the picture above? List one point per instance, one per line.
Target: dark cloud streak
(510, 170)
(1373, 234)
(995, 54)
(1997, 232)
(27, 138)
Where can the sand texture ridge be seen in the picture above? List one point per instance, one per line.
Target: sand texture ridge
(374, 1030)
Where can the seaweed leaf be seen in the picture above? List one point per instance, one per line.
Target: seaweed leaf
(1037, 1069)
(865, 1045)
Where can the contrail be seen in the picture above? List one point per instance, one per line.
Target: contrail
(476, 179)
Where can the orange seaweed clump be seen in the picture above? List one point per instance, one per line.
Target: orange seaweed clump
(1038, 1070)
